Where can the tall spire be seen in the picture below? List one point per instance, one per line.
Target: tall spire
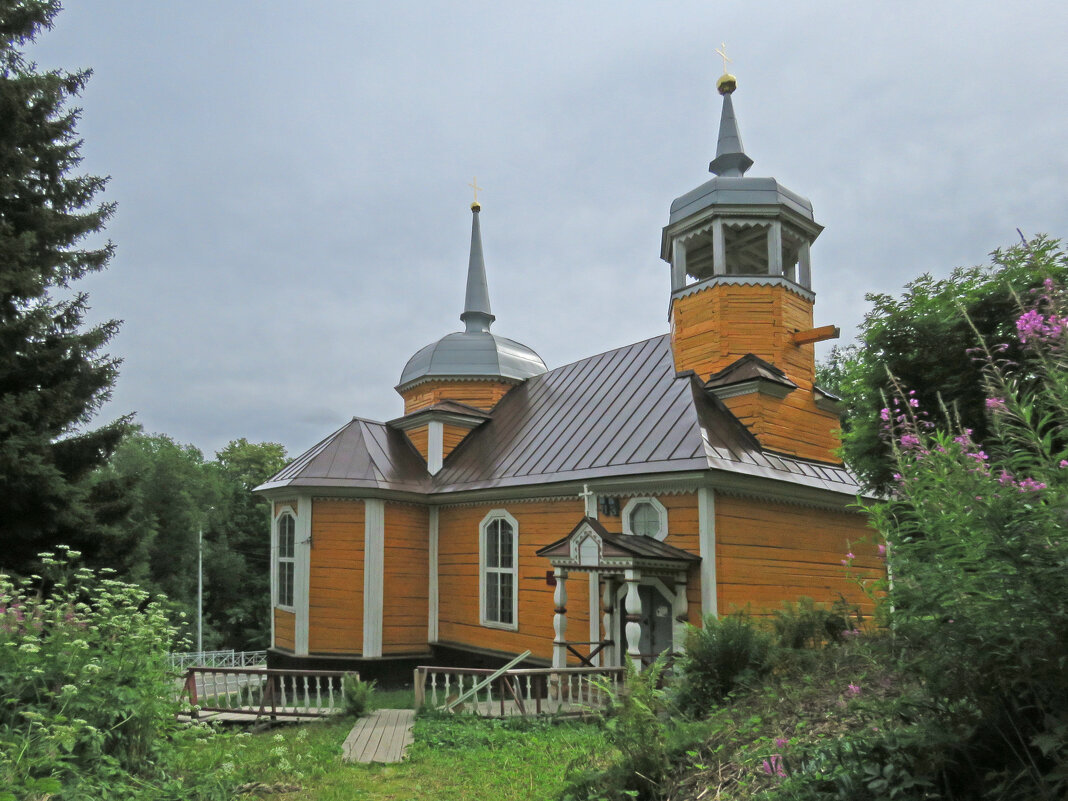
(477, 315)
(731, 160)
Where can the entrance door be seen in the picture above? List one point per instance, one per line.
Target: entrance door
(656, 622)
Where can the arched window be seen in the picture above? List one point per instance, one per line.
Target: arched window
(498, 567)
(287, 531)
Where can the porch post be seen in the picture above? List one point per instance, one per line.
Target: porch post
(609, 606)
(560, 618)
(634, 617)
(679, 613)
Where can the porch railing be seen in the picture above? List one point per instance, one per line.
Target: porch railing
(224, 658)
(259, 692)
(522, 691)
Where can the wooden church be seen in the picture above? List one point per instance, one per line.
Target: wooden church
(596, 507)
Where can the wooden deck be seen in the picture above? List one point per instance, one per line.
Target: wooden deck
(382, 736)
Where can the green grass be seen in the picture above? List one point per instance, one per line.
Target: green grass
(452, 758)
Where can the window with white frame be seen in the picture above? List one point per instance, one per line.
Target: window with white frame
(287, 533)
(498, 557)
(645, 517)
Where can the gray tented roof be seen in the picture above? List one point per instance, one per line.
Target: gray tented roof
(472, 354)
(734, 192)
(620, 413)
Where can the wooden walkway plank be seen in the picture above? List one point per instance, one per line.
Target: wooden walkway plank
(382, 736)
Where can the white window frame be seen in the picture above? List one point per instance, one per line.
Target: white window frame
(484, 571)
(279, 560)
(661, 510)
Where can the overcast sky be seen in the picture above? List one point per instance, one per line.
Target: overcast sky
(291, 177)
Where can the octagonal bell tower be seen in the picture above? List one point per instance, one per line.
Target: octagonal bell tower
(741, 305)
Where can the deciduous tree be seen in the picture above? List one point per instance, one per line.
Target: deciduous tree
(926, 338)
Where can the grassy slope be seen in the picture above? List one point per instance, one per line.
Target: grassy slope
(451, 759)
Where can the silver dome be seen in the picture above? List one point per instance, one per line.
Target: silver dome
(472, 354)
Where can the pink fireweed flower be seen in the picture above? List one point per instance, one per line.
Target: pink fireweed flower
(773, 766)
(781, 742)
(995, 404)
(1034, 326)
(1064, 463)
(1030, 485)
(882, 549)
(909, 441)
(913, 403)
(851, 555)
(884, 415)
(853, 689)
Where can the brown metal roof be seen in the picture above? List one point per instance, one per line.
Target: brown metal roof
(620, 545)
(749, 368)
(360, 454)
(620, 413)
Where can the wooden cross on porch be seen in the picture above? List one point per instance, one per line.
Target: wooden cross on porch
(590, 499)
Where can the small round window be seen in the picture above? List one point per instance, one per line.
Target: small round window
(645, 520)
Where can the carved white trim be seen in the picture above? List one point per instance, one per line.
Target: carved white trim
(302, 575)
(498, 514)
(432, 579)
(706, 537)
(661, 510)
(744, 280)
(435, 446)
(374, 552)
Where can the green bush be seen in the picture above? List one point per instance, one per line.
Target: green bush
(719, 658)
(806, 624)
(358, 694)
(635, 726)
(88, 701)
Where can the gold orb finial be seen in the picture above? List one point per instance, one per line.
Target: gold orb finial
(727, 83)
(476, 206)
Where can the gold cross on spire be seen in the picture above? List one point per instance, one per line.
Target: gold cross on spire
(474, 185)
(723, 53)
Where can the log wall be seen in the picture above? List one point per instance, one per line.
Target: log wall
(284, 629)
(406, 570)
(768, 552)
(335, 598)
(480, 394)
(715, 327)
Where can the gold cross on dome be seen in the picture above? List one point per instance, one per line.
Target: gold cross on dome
(474, 185)
(723, 53)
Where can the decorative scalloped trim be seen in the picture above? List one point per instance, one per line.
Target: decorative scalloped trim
(745, 280)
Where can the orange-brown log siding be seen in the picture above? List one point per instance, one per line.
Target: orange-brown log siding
(768, 553)
(451, 437)
(540, 523)
(713, 328)
(284, 629)
(406, 568)
(480, 394)
(420, 438)
(335, 599)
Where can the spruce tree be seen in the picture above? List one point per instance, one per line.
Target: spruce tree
(53, 373)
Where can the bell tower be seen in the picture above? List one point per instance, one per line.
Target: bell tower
(741, 306)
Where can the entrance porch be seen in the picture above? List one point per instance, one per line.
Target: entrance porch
(642, 599)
